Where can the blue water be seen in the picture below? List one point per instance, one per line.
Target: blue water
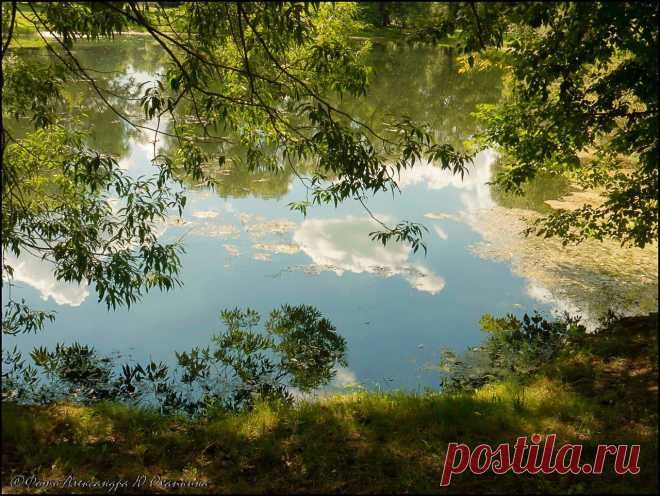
(396, 309)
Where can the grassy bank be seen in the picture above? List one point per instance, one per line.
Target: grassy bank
(25, 35)
(606, 392)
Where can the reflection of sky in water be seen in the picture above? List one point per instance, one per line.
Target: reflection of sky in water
(396, 309)
(343, 245)
(38, 274)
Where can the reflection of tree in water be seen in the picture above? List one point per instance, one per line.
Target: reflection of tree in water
(423, 83)
(401, 75)
(131, 55)
(113, 61)
(420, 82)
(544, 186)
(298, 350)
(238, 181)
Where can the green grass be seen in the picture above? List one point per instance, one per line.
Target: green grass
(606, 392)
(21, 24)
(386, 33)
(25, 35)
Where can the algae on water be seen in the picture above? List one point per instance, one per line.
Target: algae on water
(590, 278)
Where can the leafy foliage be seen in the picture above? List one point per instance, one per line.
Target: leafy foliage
(249, 81)
(398, 15)
(78, 368)
(583, 82)
(300, 349)
(408, 231)
(76, 208)
(31, 90)
(19, 380)
(514, 348)
(600, 393)
(19, 318)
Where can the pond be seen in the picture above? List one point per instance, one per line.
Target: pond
(246, 248)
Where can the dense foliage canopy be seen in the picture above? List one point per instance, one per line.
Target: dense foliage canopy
(252, 79)
(258, 86)
(582, 102)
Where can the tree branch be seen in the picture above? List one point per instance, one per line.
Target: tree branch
(11, 29)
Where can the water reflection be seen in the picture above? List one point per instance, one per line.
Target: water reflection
(436, 299)
(344, 377)
(343, 245)
(475, 192)
(420, 82)
(257, 226)
(424, 83)
(440, 232)
(38, 274)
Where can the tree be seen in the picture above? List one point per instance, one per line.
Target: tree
(514, 349)
(250, 78)
(582, 102)
(395, 15)
(299, 349)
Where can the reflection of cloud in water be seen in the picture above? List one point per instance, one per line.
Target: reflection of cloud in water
(257, 226)
(139, 157)
(205, 214)
(286, 248)
(475, 192)
(215, 230)
(544, 295)
(344, 377)
(39, 274)
(232, 250)
(342, 245)
(205, 223)
(125, 163)
(134, 76)
(440, 232)
(442, 216)
(560, 305)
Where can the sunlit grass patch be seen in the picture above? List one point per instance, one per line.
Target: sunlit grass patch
(363, 441)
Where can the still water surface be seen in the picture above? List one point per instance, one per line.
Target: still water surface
(244, 247)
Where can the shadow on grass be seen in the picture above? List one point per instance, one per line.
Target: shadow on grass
(605, 391)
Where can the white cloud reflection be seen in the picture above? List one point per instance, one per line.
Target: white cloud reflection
(39, 274)
(343, 245)
(475, 193)
(344, 377)
(561, 305)
(442, 234)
